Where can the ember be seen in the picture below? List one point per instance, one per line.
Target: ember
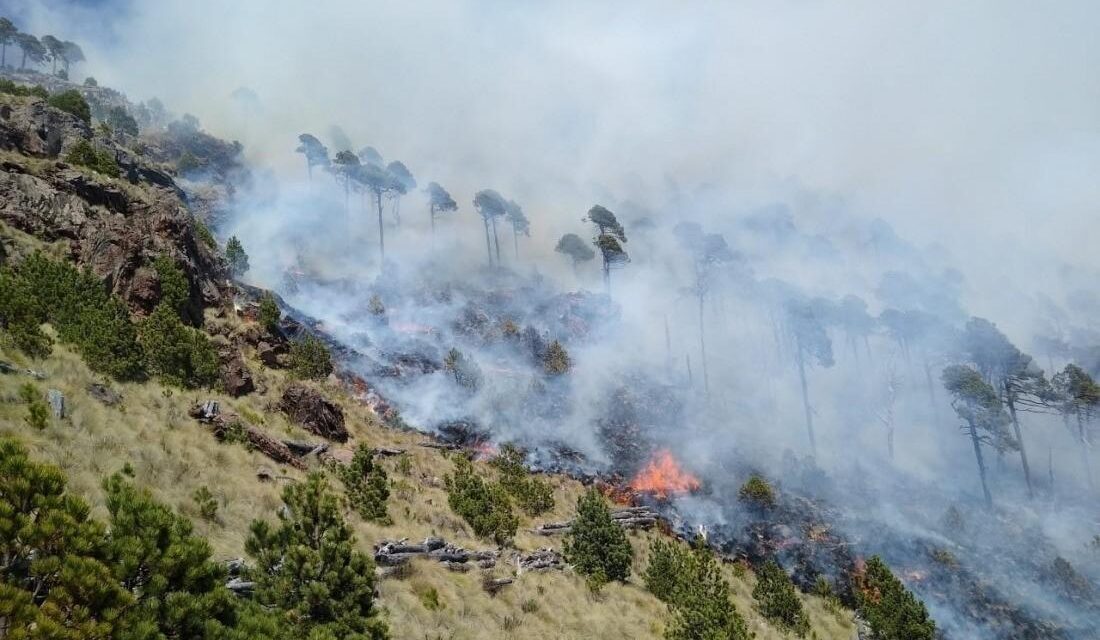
(663, 477)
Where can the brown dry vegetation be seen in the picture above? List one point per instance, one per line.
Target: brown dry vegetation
(173, 455)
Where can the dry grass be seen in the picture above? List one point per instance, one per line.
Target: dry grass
(173, 455)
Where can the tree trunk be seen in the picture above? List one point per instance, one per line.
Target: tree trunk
(1083, 437)
(691, 379)
(381, 231)
(397, 210)
(23, 64)
(607, 276)
(981, 463)
(515, 242)
(806, 400)
(703, 350)
(1020, 439)
(488, 243)
(3, 56)
(496, 240)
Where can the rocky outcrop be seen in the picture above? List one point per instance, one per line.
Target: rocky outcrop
(312, 411)
(116, 227)
(236, 378)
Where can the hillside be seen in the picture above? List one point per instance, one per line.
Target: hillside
(115, 226)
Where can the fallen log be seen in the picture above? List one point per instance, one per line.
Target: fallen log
(225, 425)
(306, 448)
(628, 518)
(540, 560)
(493, 585)
(243, 588)
(387, 452)
(391, 553)
(443, 446)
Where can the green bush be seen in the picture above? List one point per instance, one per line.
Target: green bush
(465, 371)
(269, 312)
(595, 545)
(366, 485)
(120, 120)
(72, 102)
(690, 581)
(777, 600)
(85, 155)
(892, 611)
(204, 234)
(175, 290)
(206, 503)
(78, 306)
(310, 359)
(177, 354)
(534, 495)
(38, 414)
(236, 257)
(484, 506)
(12, 89)
(757, 491)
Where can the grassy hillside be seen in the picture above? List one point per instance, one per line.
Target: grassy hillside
(174, 455)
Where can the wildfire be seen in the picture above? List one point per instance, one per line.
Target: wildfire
(663, 477)
(485, 451)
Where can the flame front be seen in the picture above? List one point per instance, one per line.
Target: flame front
(663, 477)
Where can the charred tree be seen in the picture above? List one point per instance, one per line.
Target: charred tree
(985, 421)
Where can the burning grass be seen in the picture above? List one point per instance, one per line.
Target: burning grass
(663, 477)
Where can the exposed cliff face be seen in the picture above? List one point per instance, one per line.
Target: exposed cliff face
(116, 227)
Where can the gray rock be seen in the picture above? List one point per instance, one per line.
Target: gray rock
(104, 394)
(57, 403)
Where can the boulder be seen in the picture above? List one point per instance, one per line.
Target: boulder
(104, 394)
(236, 378)
(57, 403)
(313, 412)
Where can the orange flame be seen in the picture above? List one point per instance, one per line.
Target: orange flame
(663, 477)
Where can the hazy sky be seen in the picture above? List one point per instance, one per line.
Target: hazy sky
(957, 121)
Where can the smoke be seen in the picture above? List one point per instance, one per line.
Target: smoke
(938, 158)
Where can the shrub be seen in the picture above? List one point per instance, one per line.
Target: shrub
(237, 259)
(375, 306)
(366, 485)
(757, 491)
(120, 120)
(84, 154)
(556, 360)
(90, 82)
(429, 597)
(188, 163)
(204, 234)
(534, 495)
(206, 503)
(38, 414)
(465, 371)
(484, 506)
(177, 354)
(269, 312)
(175, 290)
(72, 102)
(13, 89)
(777, 600)
(892, 611)
(310, 359)
(690, 581)
(595, 545)
(78, 306)
(309, 567)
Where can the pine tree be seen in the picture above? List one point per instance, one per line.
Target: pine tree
(595, 545)
(308, 566)
(366, 484)
(702, 608)
(892, 611)
(236, 257)
(178, 591)
(53, 577)
(777, 600)
(484, 506)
